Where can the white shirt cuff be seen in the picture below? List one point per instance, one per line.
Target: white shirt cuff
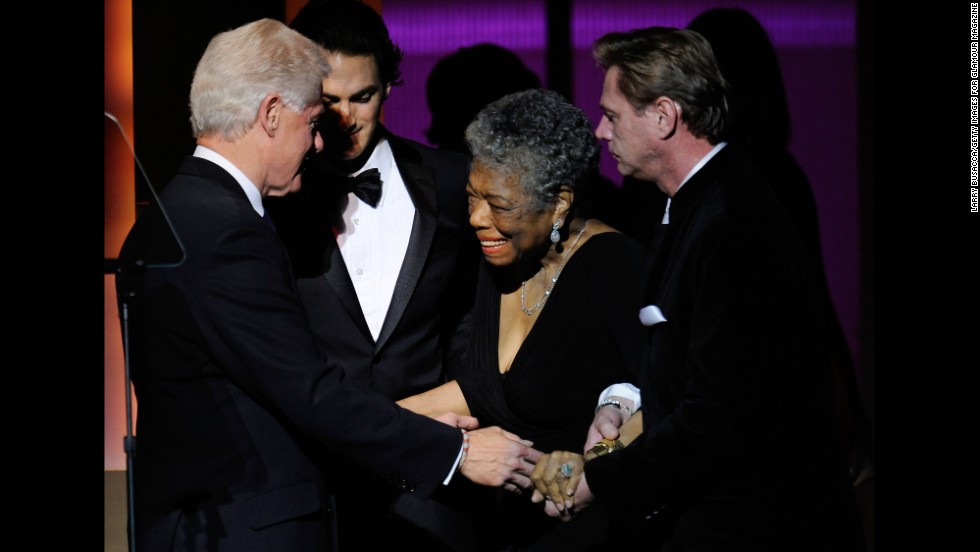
(624, 390)
(456, 463)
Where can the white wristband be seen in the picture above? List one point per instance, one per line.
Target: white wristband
(623, 391)
(617, 404)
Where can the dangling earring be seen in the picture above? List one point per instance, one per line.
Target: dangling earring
(556, 236)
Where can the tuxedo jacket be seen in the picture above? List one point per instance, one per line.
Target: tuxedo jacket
(421, 340)
(233, 392)
(434, 288)
(740, 449)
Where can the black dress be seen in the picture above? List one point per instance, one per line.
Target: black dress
(587, 337)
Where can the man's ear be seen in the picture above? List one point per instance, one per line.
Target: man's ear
(384, 92)
(270, 113)
(665, 116)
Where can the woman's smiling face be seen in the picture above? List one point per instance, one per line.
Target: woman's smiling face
(508, 228)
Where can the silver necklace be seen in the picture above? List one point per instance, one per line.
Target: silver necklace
(554, 279)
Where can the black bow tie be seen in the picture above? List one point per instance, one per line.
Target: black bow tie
(366, 186)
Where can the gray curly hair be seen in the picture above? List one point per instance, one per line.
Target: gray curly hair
(538, 136)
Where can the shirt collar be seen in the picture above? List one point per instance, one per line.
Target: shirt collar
(380, 159)
(697, 167)
(251, 191)
(704, 160)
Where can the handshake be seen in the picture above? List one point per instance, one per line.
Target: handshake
(559, 477)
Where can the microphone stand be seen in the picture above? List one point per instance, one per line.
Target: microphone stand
(112, 266)
(125, 295)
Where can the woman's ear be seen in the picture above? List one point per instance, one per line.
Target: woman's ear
(563, 202)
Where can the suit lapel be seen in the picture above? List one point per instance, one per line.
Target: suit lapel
(682, 205)
(335, 273)
(657, 258)
(421, 187)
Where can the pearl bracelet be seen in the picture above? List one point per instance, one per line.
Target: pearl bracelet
(617, 404)
(466, 449)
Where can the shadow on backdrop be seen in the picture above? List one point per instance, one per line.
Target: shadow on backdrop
(462, 83)
(761, 129)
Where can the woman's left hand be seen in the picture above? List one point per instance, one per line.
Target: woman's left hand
(556, 477)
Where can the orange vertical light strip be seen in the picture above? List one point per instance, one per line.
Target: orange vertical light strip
(120, 212)
(376, 4)
(292, 8)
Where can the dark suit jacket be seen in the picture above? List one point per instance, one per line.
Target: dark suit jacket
(421, 339)
(234, 393)
(434, 289)
(739, 450)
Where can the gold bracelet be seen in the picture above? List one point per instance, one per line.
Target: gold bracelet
(604, 447)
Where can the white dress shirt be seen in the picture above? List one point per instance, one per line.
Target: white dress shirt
(374, 242)
(375, 239)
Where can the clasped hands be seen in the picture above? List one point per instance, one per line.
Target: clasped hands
(559, 477)
(499, 458)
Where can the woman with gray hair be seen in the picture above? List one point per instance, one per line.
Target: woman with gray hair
(554, 321)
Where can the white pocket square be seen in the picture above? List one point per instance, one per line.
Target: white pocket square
(650, 315)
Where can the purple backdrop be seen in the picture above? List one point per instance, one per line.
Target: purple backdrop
(816, 47)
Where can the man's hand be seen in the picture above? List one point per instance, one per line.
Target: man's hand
(458, 420)
(497, 457)
(605, 425)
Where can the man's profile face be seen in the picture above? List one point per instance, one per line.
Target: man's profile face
(297, 138)
(630, 135)
(352, 95)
